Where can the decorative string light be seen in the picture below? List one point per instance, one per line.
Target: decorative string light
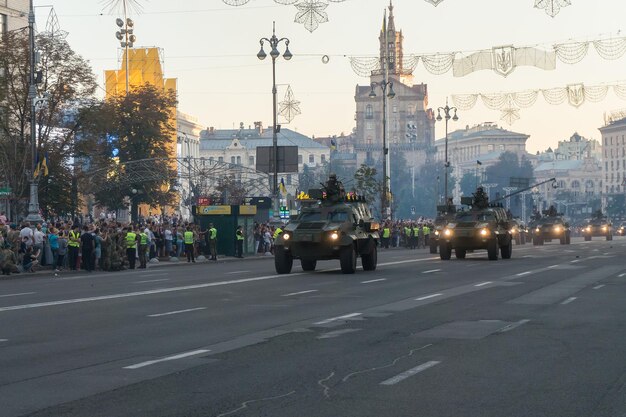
(289, 108)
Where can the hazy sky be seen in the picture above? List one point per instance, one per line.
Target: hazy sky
(211, 49)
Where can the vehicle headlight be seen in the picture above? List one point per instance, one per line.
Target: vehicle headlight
(588, 229)
(557, 229)
(604, 228)
(286, 236)
(537, 230)
(436, 232)
(484, 232)
(447, 232)
(334, 235)
(514, 230)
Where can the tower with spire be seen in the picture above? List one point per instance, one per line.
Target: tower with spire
(391, 53)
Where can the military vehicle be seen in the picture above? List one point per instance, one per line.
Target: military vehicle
(331, 225)
(599, 225)
(518, 231)
(483, 226)
(621, 230)
(445, 214)
(551, 226)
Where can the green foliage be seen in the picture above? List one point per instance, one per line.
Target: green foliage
(368, 183)
(509, 165)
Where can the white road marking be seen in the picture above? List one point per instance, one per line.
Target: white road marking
(512, 326)
(428, 296)
(151, 280)
(347, 316)
(521, 274)
(298, 293)
(407, 262)
(431, 271)
(177, 312)
(621, 275)
(4, 340)
(553, 266)
(597, 287)
(169, 358)
(406, 374)
(237, 272)
(373, 280)
(154, 274)
(575, 260)
(17, 294)
(569, 300)
(482, 284)
(147, 292)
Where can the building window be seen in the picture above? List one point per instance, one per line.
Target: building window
(299, 159)
(220, 159)
(288, 179)
(311, 159)
(323, 158)
(369, 140)
(3, 24)
(395, 108)
(369, 125)
(369, 112)
(575, 184)
(251, 160)
(239, 160)
(232, 159)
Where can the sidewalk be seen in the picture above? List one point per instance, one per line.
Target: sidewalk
(46, 271)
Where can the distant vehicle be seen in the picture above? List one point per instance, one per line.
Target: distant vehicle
(518, 231)
(599, 225)
(331, 225)
(551, 227)
(621, 229)
(483, 226)
(445, 214)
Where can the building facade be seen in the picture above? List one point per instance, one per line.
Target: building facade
(613, 157)
(238, 147)
(579, 148)
(410, 124)
(13, 15)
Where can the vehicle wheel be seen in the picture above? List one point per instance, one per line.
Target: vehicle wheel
(460, 253)
(535, 241)
(518, 240)
(609, 237)
(282, 260)
(568, 239)
(522, 239)
(587, 238)
(433, 247)
(370, 259)
(506, 251)
(563, 240)
(347, 259)
(492, 250)
(445, 251)
(308, 264)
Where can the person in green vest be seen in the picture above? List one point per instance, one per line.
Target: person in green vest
(426, 235)
(386, 236)
(188, 238)
(213, 242)
(143, 248)
(131, 247)
(73, 247)
(407, 236)
(239, 243)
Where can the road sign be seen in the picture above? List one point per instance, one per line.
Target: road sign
(413, 210)
(5, 192)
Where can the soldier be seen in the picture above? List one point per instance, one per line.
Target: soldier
(8, 262)
(334, 189)
(481, 199)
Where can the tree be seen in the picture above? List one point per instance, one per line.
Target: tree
(368, 184)
(468, 184)
(67, 84)
(138, 128)
(509, 165)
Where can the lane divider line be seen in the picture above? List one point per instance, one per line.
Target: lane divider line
(406, 374)
(169, 313)
(521, 274)
(512, 326)
(569, 300)
(330, 320)
(168, 358)
(151, 280)
(622, 275)
(237, 272)
(17, 294)
(482, 284)
(298, 293)
(4, 340)
(597, 287)
(428, 296)
(373, 280)
(431, 271)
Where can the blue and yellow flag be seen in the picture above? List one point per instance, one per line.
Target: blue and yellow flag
(37, 167)
(333, 145)
(44, 164)
(282, 187)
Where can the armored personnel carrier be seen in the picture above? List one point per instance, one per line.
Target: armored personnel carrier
(483, 226)
(445, 214)
(551, 226)
(599, 225)
(331, 225)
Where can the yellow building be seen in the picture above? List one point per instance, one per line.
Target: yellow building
(144, 66)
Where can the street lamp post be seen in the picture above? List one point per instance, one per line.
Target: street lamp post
(33, 204)
(274, 53)
(446, 111)
(384, 84)
(127, 39)
(509, 190)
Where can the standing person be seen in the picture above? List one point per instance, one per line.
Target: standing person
(53, 240)
(167, 235)
(143, 248)
(27, 232)
(87, 247)
(39, 238)
(130, 241)
(61, 252)
(239, 243)
(73, 245)
(97, 252)
(213, 241)
(386, 236)
(189, 238)
(180, 241)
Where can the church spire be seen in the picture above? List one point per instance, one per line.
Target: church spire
(392, 24)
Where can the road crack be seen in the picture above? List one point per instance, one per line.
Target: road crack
(244, 404)
(326, 387)
(395, 361)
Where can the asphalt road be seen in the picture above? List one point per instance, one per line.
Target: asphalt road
(542, 334)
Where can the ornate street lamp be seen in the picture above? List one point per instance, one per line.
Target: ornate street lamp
(275, 53)
(126, 37)
(384, 84)
(446, 110)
